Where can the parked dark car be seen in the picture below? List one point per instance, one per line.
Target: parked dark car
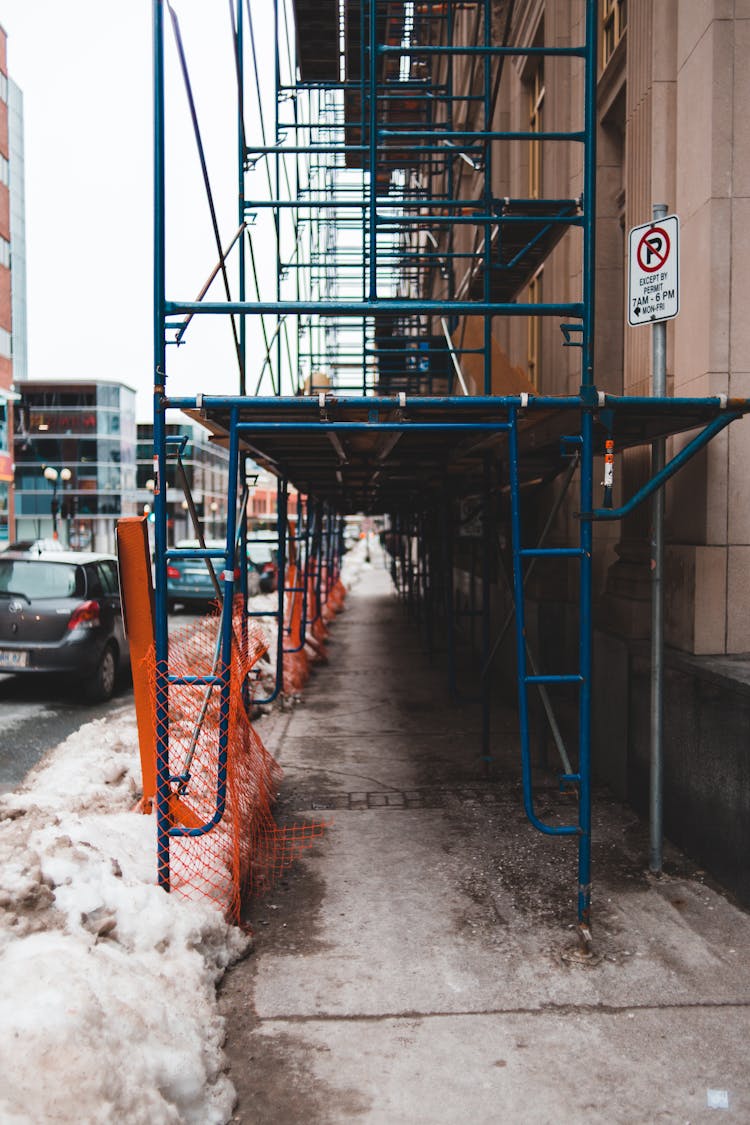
(60, 612)
(189, 582)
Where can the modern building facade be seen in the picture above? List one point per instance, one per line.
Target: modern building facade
(85, 432)
(206, 469)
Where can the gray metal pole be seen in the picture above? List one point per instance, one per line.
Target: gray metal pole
(658, 449)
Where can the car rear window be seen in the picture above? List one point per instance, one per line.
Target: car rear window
(260, 552)
(40, 579)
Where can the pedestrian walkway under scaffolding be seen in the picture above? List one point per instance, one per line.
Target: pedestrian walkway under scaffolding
(420, 964)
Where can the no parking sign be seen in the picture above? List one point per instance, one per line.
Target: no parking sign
(654, 287)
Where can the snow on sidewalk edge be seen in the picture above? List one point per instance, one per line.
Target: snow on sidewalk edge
(108, 1010)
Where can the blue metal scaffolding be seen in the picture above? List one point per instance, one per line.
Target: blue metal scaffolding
(375, 179)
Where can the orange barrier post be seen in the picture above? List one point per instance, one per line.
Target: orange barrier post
(137, 595)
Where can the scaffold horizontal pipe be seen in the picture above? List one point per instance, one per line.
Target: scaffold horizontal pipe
(551, 552)
(475, 220)
(639, 402)
(451, 49)
(195, 553)
(386, 201)
(312, 149)
(478, 135)
(570, 678)
(373, 307)
(405, 426)
(378, 402)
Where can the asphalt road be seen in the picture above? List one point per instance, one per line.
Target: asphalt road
(36, 714)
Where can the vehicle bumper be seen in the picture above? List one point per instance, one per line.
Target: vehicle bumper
(76, 656)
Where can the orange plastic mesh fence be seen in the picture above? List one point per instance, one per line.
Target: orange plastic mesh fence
(246, 851)
(296, 660)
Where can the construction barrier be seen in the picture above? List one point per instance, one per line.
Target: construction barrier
(246, 851)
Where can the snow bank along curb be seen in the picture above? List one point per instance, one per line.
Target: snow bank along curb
(108, 1008)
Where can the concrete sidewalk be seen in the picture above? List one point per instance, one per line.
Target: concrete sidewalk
(420, 965)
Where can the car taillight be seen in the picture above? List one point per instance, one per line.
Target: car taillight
(86, 616)
(172, 572)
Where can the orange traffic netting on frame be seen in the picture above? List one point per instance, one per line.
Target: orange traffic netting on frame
(246, 850)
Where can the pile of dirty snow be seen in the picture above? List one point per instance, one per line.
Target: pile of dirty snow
(108, 1008)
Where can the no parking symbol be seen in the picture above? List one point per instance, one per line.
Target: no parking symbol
(653, 290)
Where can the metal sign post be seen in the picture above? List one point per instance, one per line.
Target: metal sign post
(654, 298)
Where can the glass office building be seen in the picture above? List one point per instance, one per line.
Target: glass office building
(89, 430)
(206, 467)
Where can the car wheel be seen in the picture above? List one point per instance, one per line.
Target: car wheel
(101, 687)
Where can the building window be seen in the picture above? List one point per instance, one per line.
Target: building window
(4, 252)
(536, 114)
(4, 171)
(5, 343)
(3, 87)
(614, 22)
(534, 330)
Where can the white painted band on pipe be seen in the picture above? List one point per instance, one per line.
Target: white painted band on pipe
(524, 399)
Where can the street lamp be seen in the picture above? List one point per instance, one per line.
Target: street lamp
(52, 475)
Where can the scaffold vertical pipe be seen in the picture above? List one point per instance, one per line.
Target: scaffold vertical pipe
(160, 485)
(373, 146)
(587, 470)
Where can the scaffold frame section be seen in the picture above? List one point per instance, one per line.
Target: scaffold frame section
(376, 376)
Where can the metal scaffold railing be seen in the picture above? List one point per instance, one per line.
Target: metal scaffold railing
(378, 252)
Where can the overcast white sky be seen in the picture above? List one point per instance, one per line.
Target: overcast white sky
(85, 70)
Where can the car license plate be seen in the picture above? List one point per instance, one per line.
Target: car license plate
(10, 658)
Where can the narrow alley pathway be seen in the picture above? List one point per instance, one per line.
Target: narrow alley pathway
(420, 963)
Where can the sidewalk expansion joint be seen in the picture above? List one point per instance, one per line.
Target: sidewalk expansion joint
(420, 798)
(562, 1010)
